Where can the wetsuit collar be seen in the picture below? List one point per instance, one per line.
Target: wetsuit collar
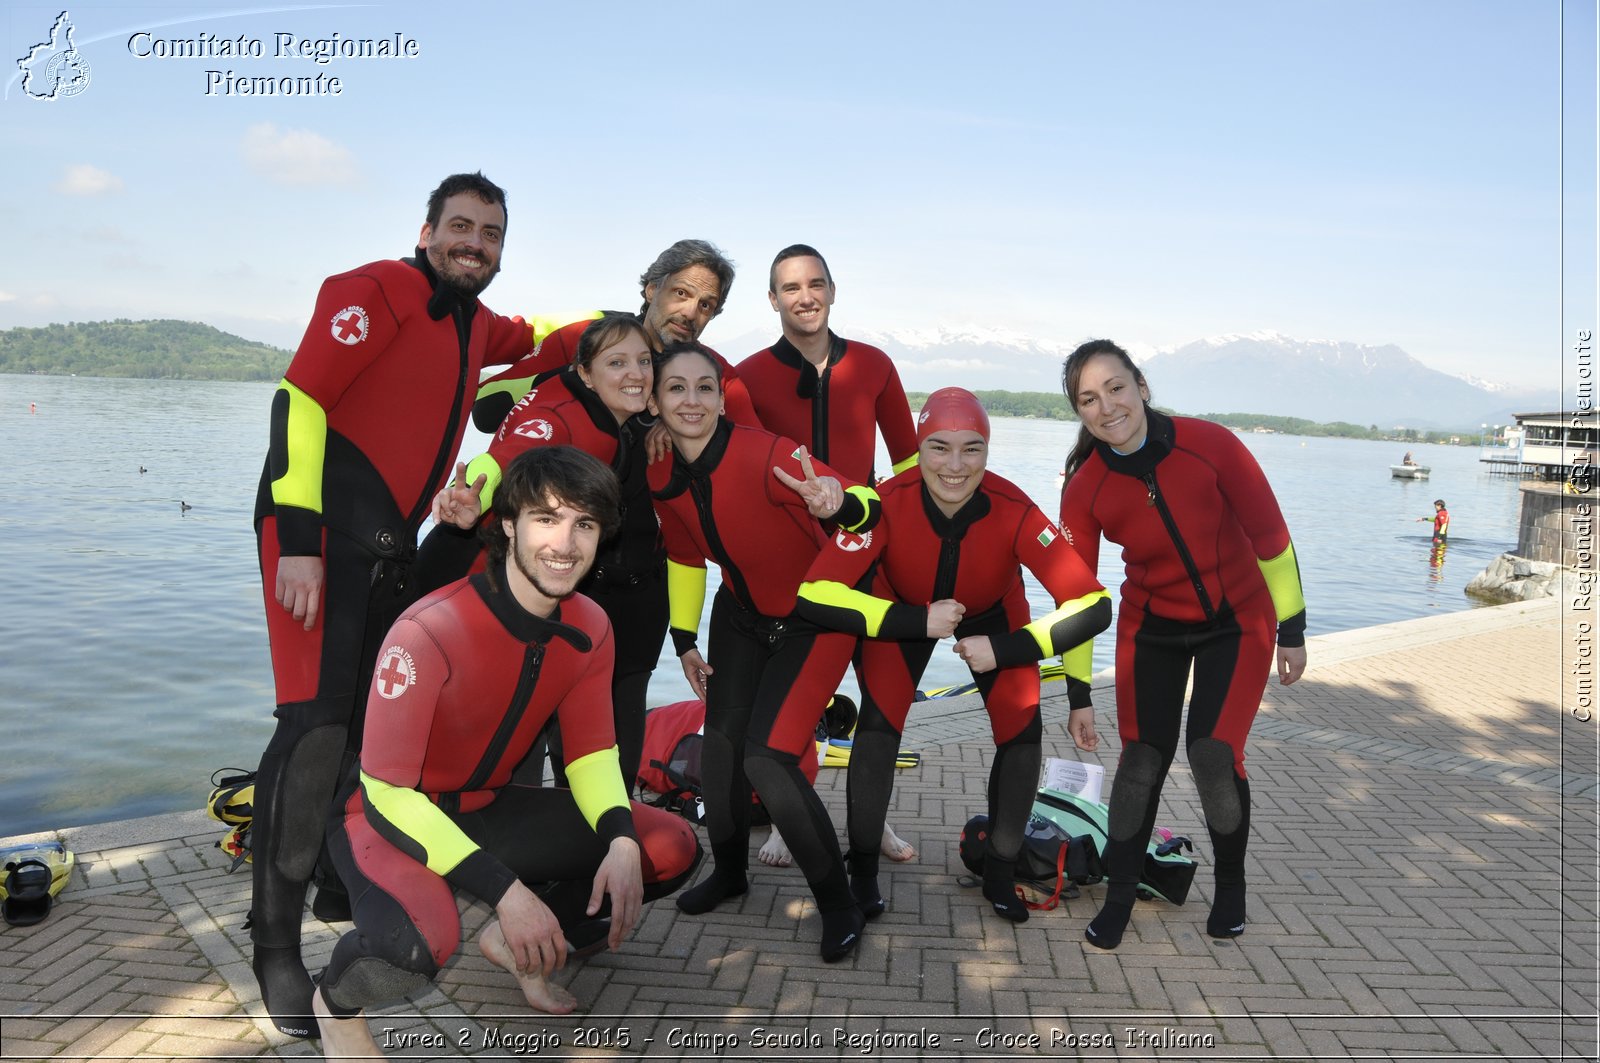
(789, 355)
(1158, 442)
(975, 509)
(700, 468)
(445, 299)
(523, 625)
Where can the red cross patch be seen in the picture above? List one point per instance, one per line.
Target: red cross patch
(396, 672)
(850, 542)
(349, 326)
(538, 428)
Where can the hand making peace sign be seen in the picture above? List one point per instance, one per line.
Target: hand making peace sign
(823, 495)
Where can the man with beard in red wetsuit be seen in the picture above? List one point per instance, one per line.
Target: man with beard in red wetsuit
(684, 288)
(364, 427)
(469, 677)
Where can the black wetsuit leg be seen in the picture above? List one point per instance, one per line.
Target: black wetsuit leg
(309, 752)
(736, 653)
(406, 918)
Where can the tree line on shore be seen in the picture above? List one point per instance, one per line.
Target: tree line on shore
(189, 350)
(151, 350)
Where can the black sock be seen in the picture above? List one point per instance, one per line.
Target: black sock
(285, 989)
(712, 892)
(1227, 912)
(841, 932)
(868, 899)
(1000, 889)
(1105, 930)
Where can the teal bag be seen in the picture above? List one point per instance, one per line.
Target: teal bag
(1167, 872)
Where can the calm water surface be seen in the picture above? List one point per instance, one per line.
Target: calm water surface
(135, 654)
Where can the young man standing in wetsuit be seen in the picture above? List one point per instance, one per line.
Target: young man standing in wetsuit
(829, 393)
(832, 394)
(364, 429)
(468, 678)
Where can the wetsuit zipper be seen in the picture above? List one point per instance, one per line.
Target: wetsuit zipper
(1177, 541)
(700, 491)
(944, 576)
(819, 416)
(446, 450)
(532, 663)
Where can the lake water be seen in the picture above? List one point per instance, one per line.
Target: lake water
(135, 652)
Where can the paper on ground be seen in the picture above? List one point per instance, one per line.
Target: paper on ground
(1073, 777)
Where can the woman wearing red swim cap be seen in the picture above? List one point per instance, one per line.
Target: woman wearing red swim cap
(947, 559)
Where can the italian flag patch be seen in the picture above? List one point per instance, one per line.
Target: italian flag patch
(1047, 536)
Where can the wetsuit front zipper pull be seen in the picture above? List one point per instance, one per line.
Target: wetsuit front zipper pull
(1150, 489)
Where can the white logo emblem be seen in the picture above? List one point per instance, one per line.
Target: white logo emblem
(850, 542)
(350, 326)
(54, 69)
(538, 428)
(396, 672)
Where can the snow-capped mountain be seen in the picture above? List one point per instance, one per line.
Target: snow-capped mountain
(964, 356)
(1259, 372)
(1327, 380)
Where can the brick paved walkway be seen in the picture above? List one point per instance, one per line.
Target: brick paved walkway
(1423, 885)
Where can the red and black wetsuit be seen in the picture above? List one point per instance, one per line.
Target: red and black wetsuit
(500, 392)
(836, 412)
(629, 576)
(914, 557)
(364, 429)
(465, 683)
(773, 673)
(1212, 582)
(1441, 525)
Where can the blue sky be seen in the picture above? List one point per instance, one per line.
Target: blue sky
(1377, 172)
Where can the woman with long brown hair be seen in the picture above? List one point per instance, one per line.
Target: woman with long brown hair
(1212, 585)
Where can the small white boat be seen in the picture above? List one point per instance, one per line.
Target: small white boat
(1409, 472)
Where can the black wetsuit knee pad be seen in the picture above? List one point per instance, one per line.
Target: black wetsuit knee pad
(370, 981)
(1139, 776)
(306, 784)
(1211, 761)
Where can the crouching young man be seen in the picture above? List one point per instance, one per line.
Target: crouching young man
(467, 679)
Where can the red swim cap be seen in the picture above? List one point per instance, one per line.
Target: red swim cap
(952, 410)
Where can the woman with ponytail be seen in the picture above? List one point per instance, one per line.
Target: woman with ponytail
(1212, 586)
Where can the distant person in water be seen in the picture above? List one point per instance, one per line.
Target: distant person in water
(1212, 587)
(1441, 521)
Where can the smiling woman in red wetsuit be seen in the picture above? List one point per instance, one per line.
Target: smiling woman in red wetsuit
(946, 559)
(593, 406)
(1212, 583)
(751, 500)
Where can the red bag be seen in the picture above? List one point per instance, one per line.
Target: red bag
(670, 764)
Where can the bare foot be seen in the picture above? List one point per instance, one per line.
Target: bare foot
(775, 853)
(895, 847)
(542, 994)
(343, 1039)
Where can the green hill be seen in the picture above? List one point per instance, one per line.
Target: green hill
(157, 350)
